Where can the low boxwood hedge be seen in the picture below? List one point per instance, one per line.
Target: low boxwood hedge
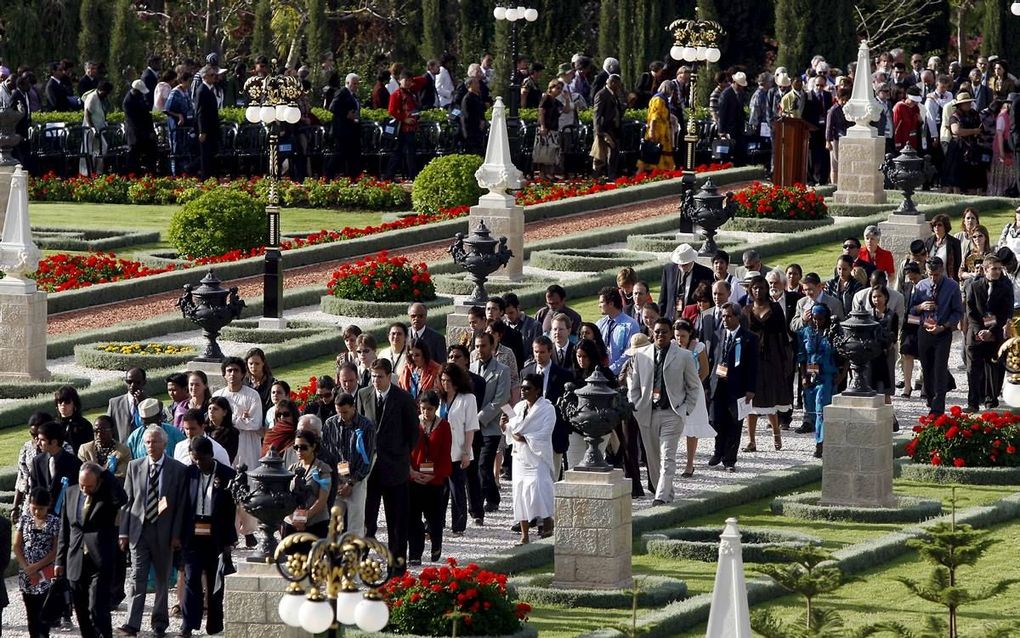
(248, 331)
(89, 239)
(373, 309)
(527, 631)
(461, 285)
(30, 387)
(666, 242)
(652, 591)
(90, 356)
(763, 225)
(806, 506)
(585, 260)
(926, 473)
(702, 543)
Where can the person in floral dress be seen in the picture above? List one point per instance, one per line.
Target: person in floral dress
(35, 547)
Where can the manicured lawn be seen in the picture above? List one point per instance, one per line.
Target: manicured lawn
(567, 622)
(146, 217)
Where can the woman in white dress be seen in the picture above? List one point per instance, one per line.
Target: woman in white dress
(696, 426)
(530, 431)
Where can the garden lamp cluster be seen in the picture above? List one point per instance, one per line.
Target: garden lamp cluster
(515, 16)
(273, 99)
(332, 568)
(1015, 8)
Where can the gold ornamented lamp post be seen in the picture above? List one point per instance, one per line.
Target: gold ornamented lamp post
(324, 574)
(694, 41)
(272, 101)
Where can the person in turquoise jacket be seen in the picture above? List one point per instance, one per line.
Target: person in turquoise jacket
(818, 367)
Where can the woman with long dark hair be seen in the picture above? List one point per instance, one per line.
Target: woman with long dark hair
(430, 467)
(281, 435)
(590, 332)
(312, 479)
(458, 406)
(259, 376)
(220, 426)
(68, 404)
(199, 394)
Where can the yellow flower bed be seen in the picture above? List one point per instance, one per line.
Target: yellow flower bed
(145, 348)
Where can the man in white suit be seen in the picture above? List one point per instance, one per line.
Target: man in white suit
(663, 385)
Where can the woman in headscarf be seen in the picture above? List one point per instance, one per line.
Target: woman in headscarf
(530, 431)
(660, 128)
(281, 435)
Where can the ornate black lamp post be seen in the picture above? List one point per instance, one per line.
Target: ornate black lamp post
(594, 411)
(269, 501)
(215, 308)
(272, 101)
(514, 15)
(694, 41)
(478, 254)
(709, 210)
(857, 340)
(906, 172)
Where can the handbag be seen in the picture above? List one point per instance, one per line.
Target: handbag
(547, 148)
(390, 129)
(57, 601)
(651, 152)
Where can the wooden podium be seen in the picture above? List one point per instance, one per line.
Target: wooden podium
(790, 151)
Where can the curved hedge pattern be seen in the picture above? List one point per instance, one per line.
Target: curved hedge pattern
(654, 591)
(373, 309)
(764, 225)
(30, 388)
(805, 506)
(460, 285)
(702, 544)
(584, 260)
(248, 331)
(950, 475)
(666, 242)
(90, 356)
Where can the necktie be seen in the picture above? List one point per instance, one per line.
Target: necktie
(660, 356)
(152, 497)
(609, 334)
(379, 403)
(87, 509)
(562, 355)
(541, 373)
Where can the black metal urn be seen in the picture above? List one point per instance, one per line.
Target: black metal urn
(215, 307)
(594, 411)
(8, 137)
(708, 210)
(270, 500)
(906, 172)
(857, 340)
(481, 255)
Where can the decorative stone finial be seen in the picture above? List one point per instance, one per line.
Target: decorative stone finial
(498, 173)
(19, 256)
(729, 615)
(863, 108)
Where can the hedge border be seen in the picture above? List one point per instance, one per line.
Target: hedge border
(702, 543)
(450, 284)
(31, 388)
(805, 506)
(527, 631)
(579, 260)
(652, 591)
(666, 242)
(373, 309)
(248, 331)
(765, 225)
(89, 356)
(90, 239)
(926, 473)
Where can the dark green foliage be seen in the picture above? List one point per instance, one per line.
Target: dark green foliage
(126, 40)
(433, 14)
(446, 181)
(804, 573)
(262, 33)
(474, 35)
(609, 31)
(217, 222)
(317, 33)
(806, 27)
(36, 33)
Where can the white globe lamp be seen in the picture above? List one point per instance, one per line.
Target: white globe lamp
(1011, 393)
(713, 54)
(531, 15)
(499, 13)
(290, 608)
(372, 614)
(1015, 8)
(293, 114)
(690, 54)
(252, 114)
(676, 52)
(511, 14)
(702, 53)
(316, 616)
(267, 114)
(281, 112)
(346, 605)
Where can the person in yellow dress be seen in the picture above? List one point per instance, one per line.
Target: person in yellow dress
(660, 127)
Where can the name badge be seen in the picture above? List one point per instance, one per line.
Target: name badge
(721, 370)
(426, 468)
(343, 468)
(990, 321)
(914, 320)
(299, 516)
(813, 368)
(203, 528)
(161, 507)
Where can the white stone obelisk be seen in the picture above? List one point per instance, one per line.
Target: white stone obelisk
(22, 306)
(497, 207)
(729, 616)
(861, 152)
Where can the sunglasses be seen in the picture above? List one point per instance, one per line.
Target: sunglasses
(364, 351)
(301, 448)
(850, 246)
(663, 332)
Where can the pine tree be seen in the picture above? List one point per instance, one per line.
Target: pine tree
(319, 42)
(475, 30)
(793, 31)
(92, 38)
(262, 33)
(609, 31)
(126, 46)
(433, 15)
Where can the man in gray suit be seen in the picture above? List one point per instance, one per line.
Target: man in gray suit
(417, 315)
(124, 408)
(151, 525)
(497, 393)
(814, 293)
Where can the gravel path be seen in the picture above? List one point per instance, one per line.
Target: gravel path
(141, 308)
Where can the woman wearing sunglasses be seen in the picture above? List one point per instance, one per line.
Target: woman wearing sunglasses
(281, 435)
(312, 480)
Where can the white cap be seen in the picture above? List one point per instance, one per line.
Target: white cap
(739, 78)
(683, 254)
(139, 86)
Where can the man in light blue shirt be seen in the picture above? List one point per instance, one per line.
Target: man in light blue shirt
(615, 326)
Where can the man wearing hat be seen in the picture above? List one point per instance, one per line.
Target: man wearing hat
(138, 130)
(733, 118)
(680, 278)
(151, 412)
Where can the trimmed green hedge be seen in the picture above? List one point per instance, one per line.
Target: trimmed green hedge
(666, 242)
(950, 475)
(702, 544)
(461, 285)
(527, 631)
(652, 591)
(374, 309)
(763, 225)
(30, 388)
(90, 356)
(248, 331)
(90, 240)
(806, 506)
(585, 260)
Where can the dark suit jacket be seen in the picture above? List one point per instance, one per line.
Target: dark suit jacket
(137, 119)
(168, 524)
(478, 383)
(85, 84)
(954, 255)
(5, 556)
(429, 98)
(979, 305)
(558, 377)
(814, 113)
(671, 280)
(435, 342)
(512, 339)
(568, 361)
(97, 532)
(345, 131)
(740, 379)
(544, 317)
(57, 95)
(396, 433)
(207, 115)
(151, 79)
(608, 119)
(223, 531)
(732, 118)
(67, 467)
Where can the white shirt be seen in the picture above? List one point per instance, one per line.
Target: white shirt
(95, 115)
(444, 87)
(462, 416)
(182, 452)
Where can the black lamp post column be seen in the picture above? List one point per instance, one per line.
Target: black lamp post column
(513, 15)
(272, 282)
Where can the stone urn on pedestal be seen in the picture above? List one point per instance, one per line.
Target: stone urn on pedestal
(906, 172)
(859, 342)
(708, 210)
(8, 138)
(480, 255)
(594, 411)
(269, 501)
(215, 307)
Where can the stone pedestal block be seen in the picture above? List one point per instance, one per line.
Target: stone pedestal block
(6, 172)
(457, 329)
(899, 231)
(505, 219)
(859, 180)
(23, 337)
(593, 531)
(213, 371)
(857, 465)
(250, 602)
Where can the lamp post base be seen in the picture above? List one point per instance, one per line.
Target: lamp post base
(272, 286)
(272, 323)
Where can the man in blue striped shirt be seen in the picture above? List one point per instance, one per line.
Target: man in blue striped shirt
(615, 326)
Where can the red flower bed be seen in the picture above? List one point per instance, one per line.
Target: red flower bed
(780, 202)
(382, 279)
(963, 439)
(68, 272)
(541, 190)
(305, 394)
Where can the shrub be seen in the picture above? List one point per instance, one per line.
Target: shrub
(427, 605)
(446, 181)
(382, 278)
(962, 439)
(779, 202)
(217, 222)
